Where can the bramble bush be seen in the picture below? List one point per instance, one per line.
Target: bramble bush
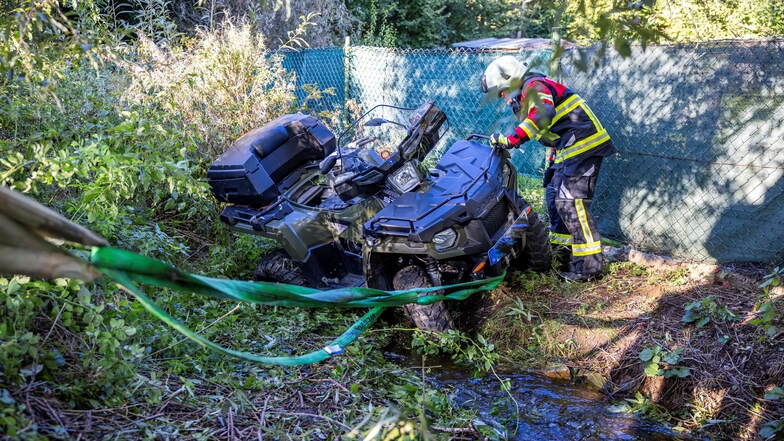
(123, 149)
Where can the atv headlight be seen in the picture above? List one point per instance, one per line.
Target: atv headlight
(444, 239)
(405, 178)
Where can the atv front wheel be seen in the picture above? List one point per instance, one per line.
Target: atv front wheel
(536, 253)
(433, 317)
(277, 266)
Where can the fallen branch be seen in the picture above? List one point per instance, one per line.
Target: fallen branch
(455, 429)
(313, 415)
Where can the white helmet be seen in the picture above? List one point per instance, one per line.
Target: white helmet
(503, 74)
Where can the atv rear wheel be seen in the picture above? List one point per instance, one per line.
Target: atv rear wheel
(536, 253)
(433, 317)
(277, 266)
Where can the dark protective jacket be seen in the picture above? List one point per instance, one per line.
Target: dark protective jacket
(557, 117)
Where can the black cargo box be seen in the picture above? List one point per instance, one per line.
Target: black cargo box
(251, 170)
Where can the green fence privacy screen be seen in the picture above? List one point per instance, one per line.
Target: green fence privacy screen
(699, 128)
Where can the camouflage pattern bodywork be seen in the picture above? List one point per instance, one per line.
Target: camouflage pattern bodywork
(299, 228)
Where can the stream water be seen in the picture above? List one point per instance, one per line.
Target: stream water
(547, 409)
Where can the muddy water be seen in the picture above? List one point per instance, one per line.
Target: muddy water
(546, 409)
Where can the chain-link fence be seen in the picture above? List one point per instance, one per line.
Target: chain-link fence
(699, 127)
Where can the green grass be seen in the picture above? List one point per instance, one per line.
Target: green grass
(531, 189)
(522, 329)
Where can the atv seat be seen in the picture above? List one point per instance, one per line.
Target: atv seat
(288, 142)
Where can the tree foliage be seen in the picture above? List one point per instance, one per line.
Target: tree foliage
(695, 20)
(431, 23)
(617, 22)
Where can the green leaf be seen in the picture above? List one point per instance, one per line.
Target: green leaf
(767, 431)
(619, 408)
(766, 283)
(646, 354)
(680, 372)
(652, 369)
(775, 394)
(13, 286)
(690, 316)
(673, 357)
(702, 322)
(83, 295)
(623, 47)
(5, 397)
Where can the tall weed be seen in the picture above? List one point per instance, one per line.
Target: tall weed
(219, 85)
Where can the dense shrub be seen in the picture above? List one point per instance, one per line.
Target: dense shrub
(217, 86)
(122, 147)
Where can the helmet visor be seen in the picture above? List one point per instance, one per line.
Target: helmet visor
(490, 92)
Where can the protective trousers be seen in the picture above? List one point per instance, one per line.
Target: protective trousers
(571, 224)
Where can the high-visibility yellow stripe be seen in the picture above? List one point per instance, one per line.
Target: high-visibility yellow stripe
(564, 112)
(572, 103)
(567, 103)
(582, 216)
(560, 239)
(539, 98)
(582, 146)
(604, 137)
(565, 107)
(586, 246)
(586, 249)
(593, 117)
(527, 131)
(560, 154)
(530, 128)
(586, 253)
(544, 96)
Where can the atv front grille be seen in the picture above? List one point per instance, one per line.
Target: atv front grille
(496, 218)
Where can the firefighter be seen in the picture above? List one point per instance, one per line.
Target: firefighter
(557, 117)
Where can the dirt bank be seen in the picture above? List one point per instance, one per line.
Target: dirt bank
(634, 334)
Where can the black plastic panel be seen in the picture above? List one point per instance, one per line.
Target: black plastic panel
(469, 186)
(251, 172)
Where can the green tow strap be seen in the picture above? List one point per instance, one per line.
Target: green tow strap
(126, 268)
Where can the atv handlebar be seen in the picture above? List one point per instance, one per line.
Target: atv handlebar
(353, 125)
(487, 138)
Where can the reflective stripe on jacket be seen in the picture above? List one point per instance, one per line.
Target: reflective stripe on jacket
(557, 117)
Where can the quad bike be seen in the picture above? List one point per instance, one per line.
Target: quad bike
(349, 216)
